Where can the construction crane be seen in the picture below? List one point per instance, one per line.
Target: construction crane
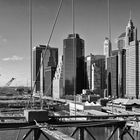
(9, 82)
(5, 90)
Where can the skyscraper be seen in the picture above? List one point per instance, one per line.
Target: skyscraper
(112, 74)
(107, 53)
(58, 80)
(96, 73)
(90, 71)
(107, 50)
(73, 65)
(49, 66)
(36, 66)
(132, 61)
(121, 65)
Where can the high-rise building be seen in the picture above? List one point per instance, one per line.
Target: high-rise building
(96, 75)
(121, 65)
(123, 71)
(73, 65)
(48, 69)
(132, 61)
(112, 74)
(58, 80)
(121, 41)
(107, 53)
(107, 50)
(36, 66)
(90, 71)
(49, 73)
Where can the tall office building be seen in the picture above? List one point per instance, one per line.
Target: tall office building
(73, 65)
(90, 71)
(96, 75)
(36, 65)
(121, 41)
(107, 53)
(107, 50)
(112, 74)
(48, 69)
(132, 61)
(121, 65)
(125, 69)
(58, 80)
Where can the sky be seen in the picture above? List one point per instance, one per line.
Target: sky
(90, 23)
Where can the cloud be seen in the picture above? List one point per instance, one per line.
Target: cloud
(13, 58)
(2, 40)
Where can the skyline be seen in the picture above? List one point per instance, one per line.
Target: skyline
(91, 24)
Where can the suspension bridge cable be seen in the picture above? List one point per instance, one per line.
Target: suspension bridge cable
(74, 53)
(30, 35)
(43, 57)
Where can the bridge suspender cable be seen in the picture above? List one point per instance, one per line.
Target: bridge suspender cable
(53, 27)
(55, 21)
(109, 24)
(30, 34)
(74, 53)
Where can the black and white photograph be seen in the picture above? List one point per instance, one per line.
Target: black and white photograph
(69, 69)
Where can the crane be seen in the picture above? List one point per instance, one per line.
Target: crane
(9, 82)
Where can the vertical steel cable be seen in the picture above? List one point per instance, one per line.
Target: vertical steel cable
(74, 53)
(43, 57)
(30, 34)
(109, 24)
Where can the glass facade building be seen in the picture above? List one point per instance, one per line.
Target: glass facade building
(36, 65)
(49, 68)
(74, 65)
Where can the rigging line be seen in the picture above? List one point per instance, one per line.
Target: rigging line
(43, 57)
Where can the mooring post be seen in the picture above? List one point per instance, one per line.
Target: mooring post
(81, 129)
